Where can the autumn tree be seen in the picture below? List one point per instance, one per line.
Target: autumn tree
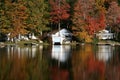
(88, 17)
(4, 18)
(113, 13)
(59, 11)
(112, 17)
(13, 18)
(37, 16)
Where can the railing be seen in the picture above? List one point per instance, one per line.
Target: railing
(105, 35)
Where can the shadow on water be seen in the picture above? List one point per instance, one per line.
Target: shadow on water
(60, 62)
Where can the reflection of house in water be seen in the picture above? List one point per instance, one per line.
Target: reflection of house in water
(61, 52)
(104, 52)
(21, 52)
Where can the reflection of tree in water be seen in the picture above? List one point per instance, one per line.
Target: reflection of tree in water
(115, 60)
(59, 74)
(95, 68)
(24, 68)
(85, 66)
(113, 66)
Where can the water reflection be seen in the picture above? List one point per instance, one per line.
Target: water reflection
(23, 63)
(105, 52)
(60, 62)
(86, 62)
(61, 52)
(21, 52)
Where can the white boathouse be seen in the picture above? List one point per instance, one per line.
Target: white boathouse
(62, 36)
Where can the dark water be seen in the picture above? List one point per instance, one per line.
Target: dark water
(57, 62)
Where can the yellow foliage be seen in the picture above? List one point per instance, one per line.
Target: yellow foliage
(84, 36)
(88, 39)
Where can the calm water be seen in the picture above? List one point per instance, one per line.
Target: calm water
(57, 62)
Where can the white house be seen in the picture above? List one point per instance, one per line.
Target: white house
(62, 36)
(104, 34)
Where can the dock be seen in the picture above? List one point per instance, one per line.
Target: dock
(112, 43)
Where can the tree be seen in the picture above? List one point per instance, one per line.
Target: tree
(113, 13)
(59, 11)
(13, 18)
(112, 17)
(96, 24)
(89, 16)
(4, 20)
(37, 15)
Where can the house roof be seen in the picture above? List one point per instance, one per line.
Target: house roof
(104, 31)
(63, 32)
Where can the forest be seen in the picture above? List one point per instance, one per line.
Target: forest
(83, 18)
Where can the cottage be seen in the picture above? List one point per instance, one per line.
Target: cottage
(104, 34)
(62, 36)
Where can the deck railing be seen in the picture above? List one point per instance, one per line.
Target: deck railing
(105, 35)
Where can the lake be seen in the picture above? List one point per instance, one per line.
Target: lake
(60, 62)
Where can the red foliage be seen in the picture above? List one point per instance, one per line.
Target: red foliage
(102, 21)
(92, 25)
(95, 24)
(89, 17)
(59, 10)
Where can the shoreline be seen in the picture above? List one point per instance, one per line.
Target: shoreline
(112, 43)
(31, 43)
